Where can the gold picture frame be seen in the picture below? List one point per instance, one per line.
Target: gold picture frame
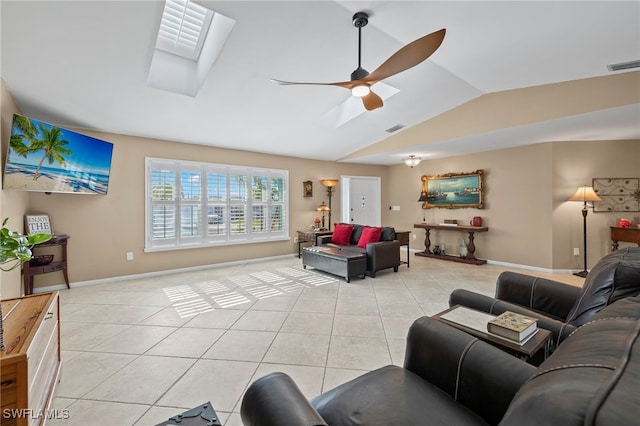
(453, 190)
(307, 189)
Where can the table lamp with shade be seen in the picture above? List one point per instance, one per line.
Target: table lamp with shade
(584, 194)
(323, 208)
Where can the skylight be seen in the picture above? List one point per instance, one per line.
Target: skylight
(190, 38)
(183, 28)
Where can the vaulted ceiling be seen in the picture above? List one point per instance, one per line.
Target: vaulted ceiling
(507, 74)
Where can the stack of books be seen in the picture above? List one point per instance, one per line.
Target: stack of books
(516, 327)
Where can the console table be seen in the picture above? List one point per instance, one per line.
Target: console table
(29, 270)
(471, 248)
(628, 235)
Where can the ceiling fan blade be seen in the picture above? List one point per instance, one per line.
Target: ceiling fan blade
(372, 101)
(408, 56)
(345, 84)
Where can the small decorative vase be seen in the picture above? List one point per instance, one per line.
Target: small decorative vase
(463, 249)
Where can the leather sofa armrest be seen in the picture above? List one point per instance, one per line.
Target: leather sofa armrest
(560, 330)
(383, 255)
(323, 239)
(476, 374)
(387, 249)
(553, 298)
(275, 399)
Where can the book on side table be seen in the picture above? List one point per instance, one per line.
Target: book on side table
(475, 323)
(513, 326)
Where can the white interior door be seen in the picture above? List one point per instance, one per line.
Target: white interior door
(360, 200)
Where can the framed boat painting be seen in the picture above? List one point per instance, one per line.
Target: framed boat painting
(454, 190)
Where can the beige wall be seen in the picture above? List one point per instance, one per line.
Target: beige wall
(104, 228)
(576, 164)
(526, 189)
(13, 204)
(517, 204)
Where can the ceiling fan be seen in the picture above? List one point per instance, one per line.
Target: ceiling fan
(407, 57)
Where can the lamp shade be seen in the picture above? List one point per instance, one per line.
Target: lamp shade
(584, 194)
(329, 182)
(412, 160)
(323, 207)
(423, 197)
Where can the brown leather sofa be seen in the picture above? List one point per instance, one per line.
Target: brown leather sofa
(383, 254)
(560, 307)
(451, 378)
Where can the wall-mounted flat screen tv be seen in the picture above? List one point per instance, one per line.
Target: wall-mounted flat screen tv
(47, 158)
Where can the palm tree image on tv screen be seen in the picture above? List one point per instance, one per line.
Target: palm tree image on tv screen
(46, 158)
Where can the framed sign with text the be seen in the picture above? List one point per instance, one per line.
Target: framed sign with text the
(38, 224)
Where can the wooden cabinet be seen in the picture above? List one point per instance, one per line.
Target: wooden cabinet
(30, 361)
(630, 235)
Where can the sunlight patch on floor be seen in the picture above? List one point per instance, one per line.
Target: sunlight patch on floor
(189, 300)
(192, 307)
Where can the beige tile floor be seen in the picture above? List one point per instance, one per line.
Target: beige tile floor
(136, 352)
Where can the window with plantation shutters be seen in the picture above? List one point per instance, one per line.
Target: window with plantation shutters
(192, 204)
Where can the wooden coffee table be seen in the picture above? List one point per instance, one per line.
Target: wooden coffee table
(474, 322)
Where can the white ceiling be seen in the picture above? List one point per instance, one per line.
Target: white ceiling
(85, 64)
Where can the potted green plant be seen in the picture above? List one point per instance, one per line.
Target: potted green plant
(15, 249)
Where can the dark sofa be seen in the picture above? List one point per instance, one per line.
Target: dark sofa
(560, 307)
(451, 378)
(381, 255)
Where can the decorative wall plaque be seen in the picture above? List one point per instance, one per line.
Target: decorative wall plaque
(618, 194)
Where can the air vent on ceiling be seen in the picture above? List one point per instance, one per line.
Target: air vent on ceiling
(624, 66)
(395, 128)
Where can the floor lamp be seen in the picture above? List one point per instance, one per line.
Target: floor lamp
(584, 194)
(330, 184)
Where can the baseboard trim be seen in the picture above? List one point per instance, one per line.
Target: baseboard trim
(63, 286)
(530, 268)
(519, 266)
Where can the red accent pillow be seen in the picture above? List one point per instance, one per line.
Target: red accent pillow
(369, 235)
(341, 234)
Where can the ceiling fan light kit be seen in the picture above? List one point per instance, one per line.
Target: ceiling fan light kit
(407, 57)
(360, 90)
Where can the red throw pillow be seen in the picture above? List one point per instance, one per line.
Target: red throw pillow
(369, 235)
(341, 234)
